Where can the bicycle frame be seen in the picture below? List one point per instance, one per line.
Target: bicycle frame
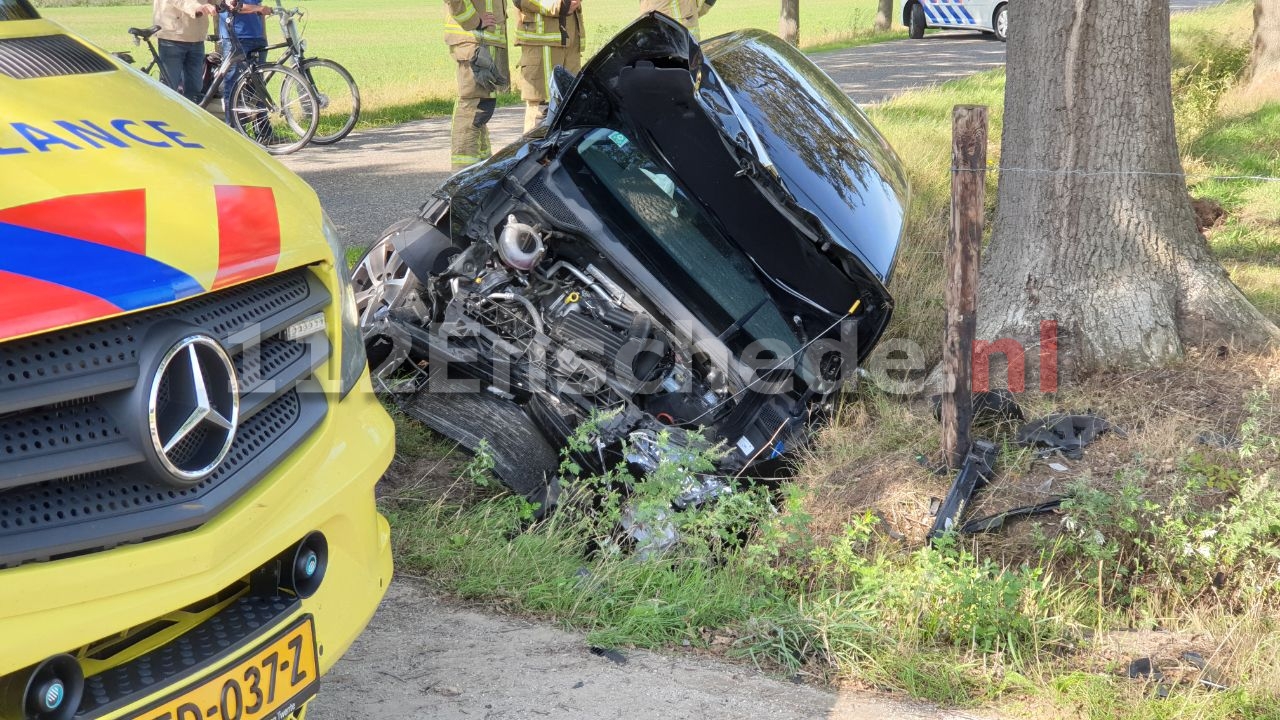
(236, 58)
(294, 45)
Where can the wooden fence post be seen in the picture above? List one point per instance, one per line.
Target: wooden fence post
(964, 245)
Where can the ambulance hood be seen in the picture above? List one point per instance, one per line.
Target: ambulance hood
(116, 194)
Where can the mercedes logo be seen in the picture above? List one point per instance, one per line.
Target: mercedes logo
(193, 408)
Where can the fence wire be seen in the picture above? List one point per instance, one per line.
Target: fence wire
(998, 169)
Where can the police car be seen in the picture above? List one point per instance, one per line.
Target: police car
(990, 16)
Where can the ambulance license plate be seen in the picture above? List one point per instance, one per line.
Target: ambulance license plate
(270, 683)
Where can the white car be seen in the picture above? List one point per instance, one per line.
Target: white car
(991, 16)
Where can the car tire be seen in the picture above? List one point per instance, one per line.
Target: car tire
(381, 280)
(915, 29)
(1000, 23)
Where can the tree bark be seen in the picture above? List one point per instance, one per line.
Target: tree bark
(1094, 227)
(1264, 60)
(789, 22)
(884, 16)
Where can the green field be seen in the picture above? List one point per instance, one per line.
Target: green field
(395, 48)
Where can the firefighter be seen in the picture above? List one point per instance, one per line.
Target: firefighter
(549, 33)
(476, 33)
(686, 12)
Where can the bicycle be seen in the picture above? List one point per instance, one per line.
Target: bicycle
(333, 85)
(272, 105)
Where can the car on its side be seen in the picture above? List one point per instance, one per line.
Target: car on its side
(989, 16)
(693, 249)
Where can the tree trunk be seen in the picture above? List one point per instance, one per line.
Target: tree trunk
(789, 22)
(1094, 227)
(884, 16)
(1264, 61)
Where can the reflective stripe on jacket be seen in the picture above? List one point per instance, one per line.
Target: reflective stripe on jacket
(539, 23)
(462, 22)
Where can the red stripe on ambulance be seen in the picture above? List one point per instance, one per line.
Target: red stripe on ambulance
(31, 305)
(116, 219)
(248, 233)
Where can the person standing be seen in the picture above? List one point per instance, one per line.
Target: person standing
(251, 32)
(686, 12)
(549, 33)
(184, 24)
(475, 32)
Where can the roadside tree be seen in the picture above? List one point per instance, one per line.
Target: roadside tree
(789, 22)
(884, 15)
(1264, 61)
(1094, 227)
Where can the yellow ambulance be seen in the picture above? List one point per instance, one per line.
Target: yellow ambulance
(188, 437)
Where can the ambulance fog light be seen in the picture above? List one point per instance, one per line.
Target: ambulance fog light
(307, 565)
(48, 691)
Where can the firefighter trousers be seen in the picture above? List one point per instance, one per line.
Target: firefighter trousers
(469, 138)
(537, 62)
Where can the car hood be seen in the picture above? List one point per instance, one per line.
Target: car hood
(116, 194)
(765, 140)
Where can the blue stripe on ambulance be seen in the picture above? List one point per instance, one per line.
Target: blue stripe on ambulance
(963, 11)
(128, 280)
(954, 14)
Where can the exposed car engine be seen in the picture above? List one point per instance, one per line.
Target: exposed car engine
(564, 341)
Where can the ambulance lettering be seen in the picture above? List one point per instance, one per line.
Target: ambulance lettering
(21, 138)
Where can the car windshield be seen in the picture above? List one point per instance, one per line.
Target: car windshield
(17, 10)
(685, 250)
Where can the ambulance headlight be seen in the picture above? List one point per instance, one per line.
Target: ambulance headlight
(353, 360)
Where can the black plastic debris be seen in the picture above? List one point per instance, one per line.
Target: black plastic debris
(1218, 440)
(1207, 677)
(610, 655)
(989, 407)
(1144, 668)
(996, 521)
(1068, 434)
(978, 468)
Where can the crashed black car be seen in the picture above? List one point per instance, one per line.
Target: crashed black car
(698, 238)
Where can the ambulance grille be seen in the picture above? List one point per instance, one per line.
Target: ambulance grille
(49, 56)
(73, 429)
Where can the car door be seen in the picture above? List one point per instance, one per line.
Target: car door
(958, 13)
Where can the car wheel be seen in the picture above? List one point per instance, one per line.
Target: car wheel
(916, 29)
(381, 278)
(382, 281)
(1001, 23)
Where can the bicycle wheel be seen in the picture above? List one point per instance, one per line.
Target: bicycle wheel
(338, 96)
(274, 107)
